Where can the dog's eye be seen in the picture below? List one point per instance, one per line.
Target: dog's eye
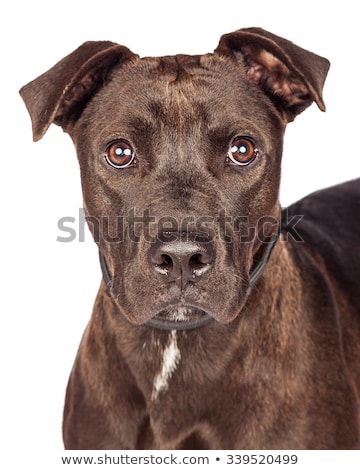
(120, 154)
(242, 151)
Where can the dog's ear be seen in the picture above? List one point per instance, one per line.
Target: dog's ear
(60, 94)
(291, 76)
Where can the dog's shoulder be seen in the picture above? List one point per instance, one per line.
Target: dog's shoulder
(328, 224)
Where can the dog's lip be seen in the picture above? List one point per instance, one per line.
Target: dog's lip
(180, 317)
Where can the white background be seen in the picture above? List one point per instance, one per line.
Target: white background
(48, 288)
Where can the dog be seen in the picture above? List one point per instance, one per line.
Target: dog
(222, 321)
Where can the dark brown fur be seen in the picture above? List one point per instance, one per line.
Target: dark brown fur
(279, 367)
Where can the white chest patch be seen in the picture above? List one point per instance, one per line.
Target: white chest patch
(170, 360)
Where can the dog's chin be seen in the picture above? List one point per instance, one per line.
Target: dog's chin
(180, 318)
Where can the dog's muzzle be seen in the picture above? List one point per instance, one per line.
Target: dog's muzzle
(183, 258)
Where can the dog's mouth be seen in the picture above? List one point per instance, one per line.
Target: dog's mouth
(180, 318)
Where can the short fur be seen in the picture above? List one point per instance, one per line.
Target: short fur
(279, 367)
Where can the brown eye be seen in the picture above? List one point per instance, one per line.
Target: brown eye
(120, 154)
(242, 151)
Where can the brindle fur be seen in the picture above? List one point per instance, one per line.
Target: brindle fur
(279, 368)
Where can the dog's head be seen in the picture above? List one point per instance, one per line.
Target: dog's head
(180, 163)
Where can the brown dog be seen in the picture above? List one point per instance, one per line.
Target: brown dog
(199, 339)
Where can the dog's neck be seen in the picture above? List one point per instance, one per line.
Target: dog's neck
(276, 298)
(161, 362)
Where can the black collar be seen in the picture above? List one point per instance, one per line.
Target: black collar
(255, 273)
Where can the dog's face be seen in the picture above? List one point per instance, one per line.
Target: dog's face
(180, 165)
(198, 146)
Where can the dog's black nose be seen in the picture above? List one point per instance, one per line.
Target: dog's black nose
(183, 257)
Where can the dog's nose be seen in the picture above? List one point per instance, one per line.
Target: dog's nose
(182, 257)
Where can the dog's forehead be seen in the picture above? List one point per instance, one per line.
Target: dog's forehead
(209, 86)
(180, 66)
(168, 74)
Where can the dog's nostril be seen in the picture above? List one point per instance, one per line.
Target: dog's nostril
(195, 261)
(166, 262)
(198, 262)
(162, 263)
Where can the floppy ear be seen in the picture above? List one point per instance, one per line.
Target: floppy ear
(60, 94)
(291, 76)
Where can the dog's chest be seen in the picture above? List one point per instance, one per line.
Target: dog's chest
(179, 383)
(170, 357)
